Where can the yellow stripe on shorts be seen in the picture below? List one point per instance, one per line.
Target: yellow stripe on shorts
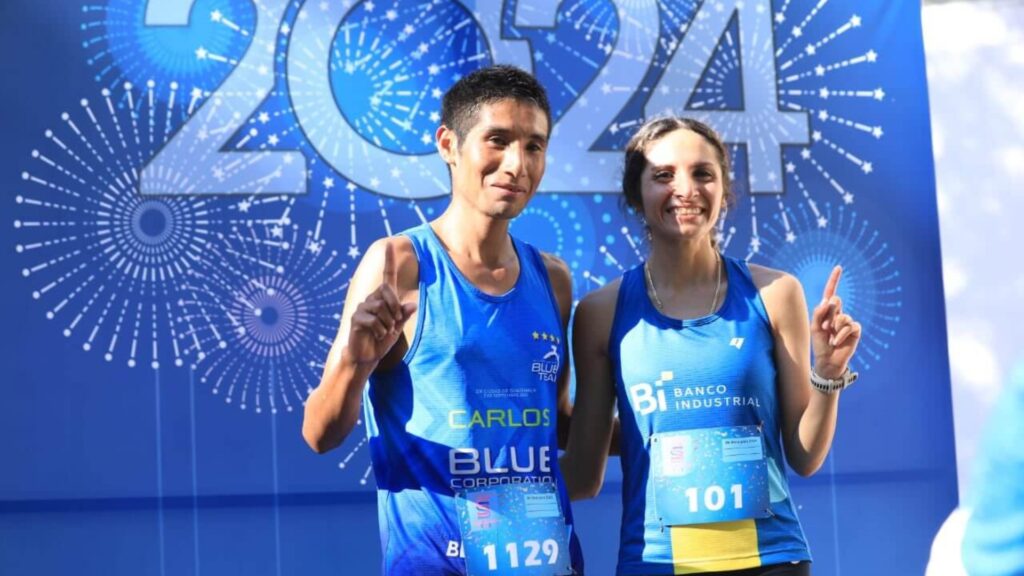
(715, 547)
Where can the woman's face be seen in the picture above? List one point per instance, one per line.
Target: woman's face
(681, 187)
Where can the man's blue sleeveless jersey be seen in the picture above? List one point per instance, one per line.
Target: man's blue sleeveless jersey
(472, 404)
(711, 372)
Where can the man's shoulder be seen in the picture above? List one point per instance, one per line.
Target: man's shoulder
(555, 265)
(561, 279)
(404, 259)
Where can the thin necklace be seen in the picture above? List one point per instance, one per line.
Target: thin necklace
(654, 292)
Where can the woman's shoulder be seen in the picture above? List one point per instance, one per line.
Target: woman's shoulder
(772, 279)
(780, 291)
(596, 310)
(602, 298)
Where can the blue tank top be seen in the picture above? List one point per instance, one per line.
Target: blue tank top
(711, 372)
(473, 403)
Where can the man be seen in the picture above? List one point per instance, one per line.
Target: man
(453, 334)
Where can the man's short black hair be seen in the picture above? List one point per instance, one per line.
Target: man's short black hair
(463, 100)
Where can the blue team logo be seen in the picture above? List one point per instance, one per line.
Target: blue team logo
(546, 367)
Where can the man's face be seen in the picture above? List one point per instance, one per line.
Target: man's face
(497, 166)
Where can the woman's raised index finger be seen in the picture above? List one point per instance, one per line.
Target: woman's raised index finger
(832, 284)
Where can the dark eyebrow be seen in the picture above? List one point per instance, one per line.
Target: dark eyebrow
(507, 133)
(656, 167)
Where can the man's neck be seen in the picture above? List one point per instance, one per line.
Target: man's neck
(474, 237)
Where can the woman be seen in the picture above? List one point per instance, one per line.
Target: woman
(707, 358)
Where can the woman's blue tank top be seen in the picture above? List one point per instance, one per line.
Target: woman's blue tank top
(711, 372)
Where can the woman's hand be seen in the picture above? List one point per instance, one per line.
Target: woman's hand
(834, 334)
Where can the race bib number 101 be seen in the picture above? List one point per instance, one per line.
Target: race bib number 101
(709, 475)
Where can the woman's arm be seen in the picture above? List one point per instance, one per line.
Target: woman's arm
(808, 415)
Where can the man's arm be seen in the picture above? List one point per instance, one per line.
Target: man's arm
(371, 336)
(561, 285)
(583, 464)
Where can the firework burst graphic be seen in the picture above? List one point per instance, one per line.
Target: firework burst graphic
(194, 43)
(105, 262)
(372, 115)
(258, 325)
(871, 287)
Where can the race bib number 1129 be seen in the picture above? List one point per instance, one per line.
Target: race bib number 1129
(514, 529)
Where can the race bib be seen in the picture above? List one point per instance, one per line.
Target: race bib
(514, 529)
(709, 475)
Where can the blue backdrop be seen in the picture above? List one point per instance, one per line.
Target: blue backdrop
(189, 184)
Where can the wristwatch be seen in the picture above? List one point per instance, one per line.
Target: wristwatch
(831, 386)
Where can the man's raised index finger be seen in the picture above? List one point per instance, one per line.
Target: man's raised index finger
(390, 270)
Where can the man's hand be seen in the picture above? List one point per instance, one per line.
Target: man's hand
(378, 320)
